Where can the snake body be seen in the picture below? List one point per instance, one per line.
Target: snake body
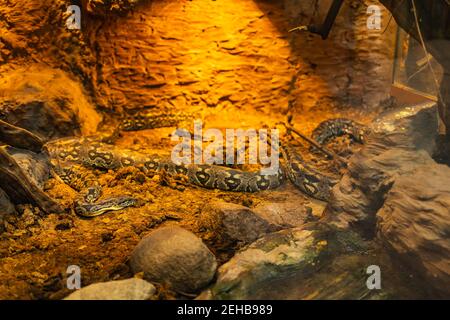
(332, 128)
(310, 181)
(67, 153)
(152, 120)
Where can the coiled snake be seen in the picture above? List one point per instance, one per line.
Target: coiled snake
(68, 154)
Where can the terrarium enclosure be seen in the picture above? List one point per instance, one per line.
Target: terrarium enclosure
(229, 149)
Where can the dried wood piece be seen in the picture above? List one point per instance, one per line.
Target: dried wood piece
(19, 137)
(20, 188)
(311, 141)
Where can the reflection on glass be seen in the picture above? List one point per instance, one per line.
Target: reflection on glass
(411, 67)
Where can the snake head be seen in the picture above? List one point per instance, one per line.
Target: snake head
(112, 204)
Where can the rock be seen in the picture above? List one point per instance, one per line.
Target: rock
(313, 262)
(268, 65)
(343, 279)
(394, 190)
(414, 223)
(175, 257)
(102, 8)
(284, 214)
(47, 103)
(362, 190)
(401, 140)
(232, 222)
(129, 289)
(275, 256)
(408, 127)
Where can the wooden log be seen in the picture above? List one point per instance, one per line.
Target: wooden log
(19, 137)
(20, 188)
(330, 154)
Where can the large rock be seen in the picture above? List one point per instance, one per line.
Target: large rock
(286, 214)
(313, 262)
(233, 222)
(46, 102)
(401, 140)
(413, 127)
(396, 191)
(129, 289)
(275, 256)
(362, 190)
(175, 257)
(414, 223)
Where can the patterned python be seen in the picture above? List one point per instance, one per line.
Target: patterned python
(152, 120)
(333, 128)
(68, 154)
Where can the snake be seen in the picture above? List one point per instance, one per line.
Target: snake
(332, 128)
(153, 120)
(69, 154)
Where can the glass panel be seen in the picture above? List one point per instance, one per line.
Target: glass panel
(411, 67)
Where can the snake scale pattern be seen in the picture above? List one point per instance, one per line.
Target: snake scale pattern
(69, 154)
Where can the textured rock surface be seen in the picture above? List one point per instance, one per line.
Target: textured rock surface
(181, 55)
(262, 269)
(396, 191)
(46, 102)
(233, 222)
(285, 214)
(414, 222)
(36, 31)
(398, 145)
(354, 64)
(109, 7)
(273, 256)
(342, 279)
(129, 289)
(408, 127)
(175, 257)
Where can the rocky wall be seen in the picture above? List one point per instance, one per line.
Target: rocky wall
(235, 55)
(239, 54)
